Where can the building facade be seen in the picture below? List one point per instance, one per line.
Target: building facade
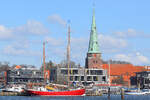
(24, 76)
(84, 75)
(141, 79)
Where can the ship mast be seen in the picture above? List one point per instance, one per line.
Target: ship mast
(68, 55)
(44, 65)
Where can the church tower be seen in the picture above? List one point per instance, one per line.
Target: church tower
(93, 59)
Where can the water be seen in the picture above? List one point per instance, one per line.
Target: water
(113, 97)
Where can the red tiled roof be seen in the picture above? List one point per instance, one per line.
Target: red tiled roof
(126, 70)
(18, 67)
(123, 69)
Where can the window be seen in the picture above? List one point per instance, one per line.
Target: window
(64, 72)
(92, 72)
(99, 72)
(95, 78)
(75, 71)
(95, 61)
(76, 78)
(103, 78)
(89, 78)
(87, 72)
(82, 78)
(96, 72)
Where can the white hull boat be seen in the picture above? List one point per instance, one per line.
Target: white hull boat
(146, 91)
(135, 93)
(14, 89)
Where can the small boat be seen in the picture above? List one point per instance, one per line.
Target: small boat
(45, 92)
(14, 89)
(135, 93)
(146, 91)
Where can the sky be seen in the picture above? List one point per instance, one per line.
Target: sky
(122, 27)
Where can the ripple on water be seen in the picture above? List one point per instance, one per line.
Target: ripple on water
(104, 97)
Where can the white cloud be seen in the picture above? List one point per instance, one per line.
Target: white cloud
(79, 48)
(79, 43)
(11, 50)
(122, 57)
(54, 42)
(19, 49)
(5, 33)
(32, 27)
(142, 58)
(129, 33)
(136, 58)
(57, 20)
(58, 47)
(111, 43)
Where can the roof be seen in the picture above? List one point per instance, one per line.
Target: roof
(123, 69)
(18, 67)
(93, 43)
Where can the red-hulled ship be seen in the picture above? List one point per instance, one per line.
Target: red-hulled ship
(48, 91)
(78, 92)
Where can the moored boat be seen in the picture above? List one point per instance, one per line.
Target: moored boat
(14, 89)
(135, 93)
(77, 92)
(49, 91)
(146, 91)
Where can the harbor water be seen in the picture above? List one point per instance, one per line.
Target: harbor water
(104, 97)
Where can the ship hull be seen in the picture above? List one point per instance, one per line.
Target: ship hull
(78, 92)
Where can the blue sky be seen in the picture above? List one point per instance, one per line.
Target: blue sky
(122, 27)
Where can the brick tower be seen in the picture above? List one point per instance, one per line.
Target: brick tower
(93, 59)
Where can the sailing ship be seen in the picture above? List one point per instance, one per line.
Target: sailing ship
(77, 92)
(49, 91)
